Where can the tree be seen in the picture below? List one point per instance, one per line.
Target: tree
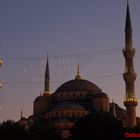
(43, 130)
(40, 130)
(98, 126)
(10, 130)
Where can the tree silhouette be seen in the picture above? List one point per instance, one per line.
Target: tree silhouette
(98, 126)
(10, 130)
(40, 130)
(43, 130)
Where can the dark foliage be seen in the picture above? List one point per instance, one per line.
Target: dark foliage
(98, 126)
(40, 130)
(9, 130)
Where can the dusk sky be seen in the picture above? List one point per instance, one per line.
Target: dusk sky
(71, 32)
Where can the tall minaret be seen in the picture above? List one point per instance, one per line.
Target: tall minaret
(129, 75)
(47, 79)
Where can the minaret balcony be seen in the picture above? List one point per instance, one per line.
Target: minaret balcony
(131, 101)
(130, 76)
(129, 52)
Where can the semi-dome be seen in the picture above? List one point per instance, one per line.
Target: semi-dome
(101, 95)
(78, 85)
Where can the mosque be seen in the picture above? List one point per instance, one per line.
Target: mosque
(78, 97)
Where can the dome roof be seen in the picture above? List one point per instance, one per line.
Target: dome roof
(78, 85)
(68, 106)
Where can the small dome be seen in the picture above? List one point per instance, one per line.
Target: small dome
(78, 85)
(41, 98)
(68, 106)
(101, 95)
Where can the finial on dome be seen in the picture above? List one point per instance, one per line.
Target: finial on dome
(113, 108)
(112, 101)
(21, 114)
(78, 76)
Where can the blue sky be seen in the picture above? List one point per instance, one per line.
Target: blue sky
(88, 32)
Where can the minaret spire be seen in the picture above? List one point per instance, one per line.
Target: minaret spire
(129, 76)
(47, 78)
(127, 2)
(128, 19)
(128, 28)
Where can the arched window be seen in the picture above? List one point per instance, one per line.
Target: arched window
(61, 97)
(68, 96)
(67, 114)
(83, 113)
(78, 114)
(73, 96)
(73, 114)
(56, 114)
(80, 96)
(53, 114)
(62, 114)
(59, 114)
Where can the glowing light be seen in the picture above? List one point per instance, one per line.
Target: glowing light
(1, 62)
(130, 99)
(0, 84)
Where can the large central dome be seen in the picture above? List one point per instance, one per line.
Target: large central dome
(78, 85)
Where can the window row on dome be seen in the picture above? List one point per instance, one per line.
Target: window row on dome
(61, 114)
(73, 96)
(64, 125)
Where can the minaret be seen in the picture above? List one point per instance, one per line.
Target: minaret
(47, 79)
(129, 75)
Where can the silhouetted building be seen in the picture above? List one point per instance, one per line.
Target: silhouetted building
(78, 97)
(72, 100)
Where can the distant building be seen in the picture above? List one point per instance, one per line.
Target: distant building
(78, 97)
